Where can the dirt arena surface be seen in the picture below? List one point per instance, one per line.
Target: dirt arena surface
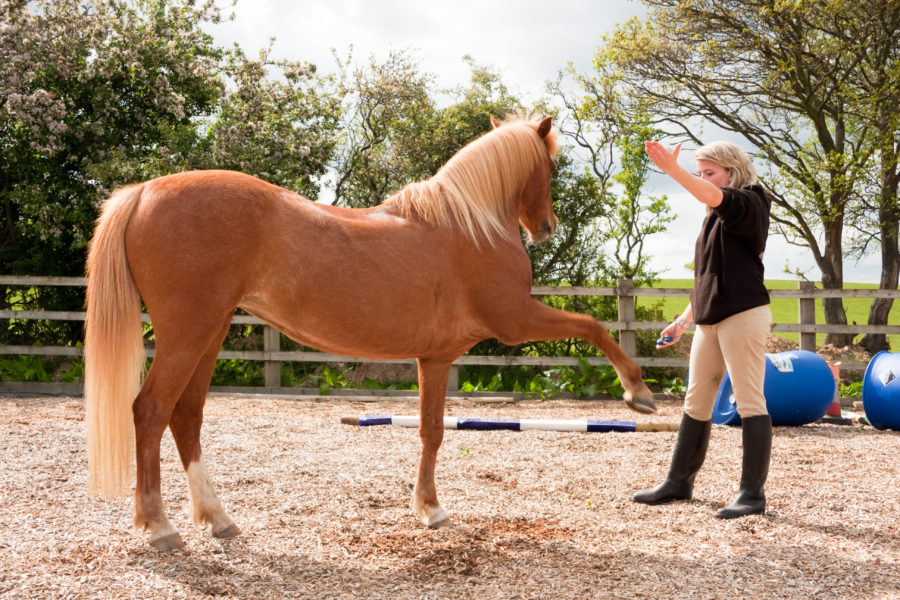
(324, 510)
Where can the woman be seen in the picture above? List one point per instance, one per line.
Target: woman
(730, 305)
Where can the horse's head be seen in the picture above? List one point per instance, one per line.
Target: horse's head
(535, 204)
(491, 186)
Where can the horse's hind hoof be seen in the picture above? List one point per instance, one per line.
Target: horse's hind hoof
(168, 543)
(229, 532)
(641, 405)
(441, 524)
(437, 518)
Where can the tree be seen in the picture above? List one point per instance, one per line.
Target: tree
(395, 132)
(95, 94)
(277, 121)
(387, 110)
(631, 222)
(87, 89)
(610, 133)
(804, 83)
(880, 89)
(469, 110)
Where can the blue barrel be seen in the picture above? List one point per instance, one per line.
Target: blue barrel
(881, 391)
(799, 389)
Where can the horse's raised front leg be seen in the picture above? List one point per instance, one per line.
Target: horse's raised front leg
(432, 392)
(185, 424)
(541, 322)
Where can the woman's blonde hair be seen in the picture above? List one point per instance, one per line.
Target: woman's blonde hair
(733, 158)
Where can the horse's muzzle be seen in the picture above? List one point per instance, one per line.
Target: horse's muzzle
(544, 233)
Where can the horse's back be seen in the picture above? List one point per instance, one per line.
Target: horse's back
(205, 205)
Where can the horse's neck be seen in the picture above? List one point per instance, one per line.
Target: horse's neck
(511, 222)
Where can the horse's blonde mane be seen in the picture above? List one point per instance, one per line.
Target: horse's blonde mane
(474, 188)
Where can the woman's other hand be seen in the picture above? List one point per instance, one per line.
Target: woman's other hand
(671, 334)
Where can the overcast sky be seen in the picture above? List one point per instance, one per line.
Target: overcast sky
(527, 41)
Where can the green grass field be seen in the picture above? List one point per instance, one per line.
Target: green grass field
(784, 310)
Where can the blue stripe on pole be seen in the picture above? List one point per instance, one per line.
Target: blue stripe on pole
(375, 420)
(488, 424)
(606, 426)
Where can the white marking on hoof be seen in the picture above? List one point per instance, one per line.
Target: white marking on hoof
(205, 505)
(437, 517)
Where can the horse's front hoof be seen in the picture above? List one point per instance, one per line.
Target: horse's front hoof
(642, 405)
(229, 532)
(167, 543)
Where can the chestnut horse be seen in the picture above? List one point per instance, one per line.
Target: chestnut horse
(427, 274)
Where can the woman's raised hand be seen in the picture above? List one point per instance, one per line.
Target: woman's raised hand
(660, 156)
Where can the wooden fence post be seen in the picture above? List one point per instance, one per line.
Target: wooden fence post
(453, 379)
(807, 314)
(272, 343)
(625, 302)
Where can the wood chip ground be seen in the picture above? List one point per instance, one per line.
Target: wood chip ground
(324, 510)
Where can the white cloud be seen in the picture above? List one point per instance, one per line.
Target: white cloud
(529, 41)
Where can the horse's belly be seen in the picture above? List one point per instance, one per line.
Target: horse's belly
(360, 331)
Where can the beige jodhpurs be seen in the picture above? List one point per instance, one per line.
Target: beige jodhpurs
(737, 344)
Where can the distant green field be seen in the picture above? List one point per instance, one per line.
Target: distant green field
(784, 310)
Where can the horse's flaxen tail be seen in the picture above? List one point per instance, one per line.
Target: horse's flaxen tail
(113, 349)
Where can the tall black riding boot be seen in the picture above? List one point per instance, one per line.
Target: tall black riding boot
(687, 458)
(750, 500)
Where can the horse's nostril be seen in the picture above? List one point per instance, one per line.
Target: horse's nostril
(548, 229)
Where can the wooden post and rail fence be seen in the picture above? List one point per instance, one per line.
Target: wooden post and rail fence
(626, 325)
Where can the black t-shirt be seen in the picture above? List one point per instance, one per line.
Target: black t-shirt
(728, 268)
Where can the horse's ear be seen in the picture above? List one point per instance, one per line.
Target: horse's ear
(544, 126)
(495, 122)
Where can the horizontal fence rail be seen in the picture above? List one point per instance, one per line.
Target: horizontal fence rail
(626, 325)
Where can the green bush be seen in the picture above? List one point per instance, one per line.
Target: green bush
(24, 367)
(852, 390)
(587, 380)
(235, 372)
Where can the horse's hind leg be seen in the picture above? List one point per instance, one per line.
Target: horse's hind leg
(185, 424)
(432, 392)
(178, 353)
(152, 410)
